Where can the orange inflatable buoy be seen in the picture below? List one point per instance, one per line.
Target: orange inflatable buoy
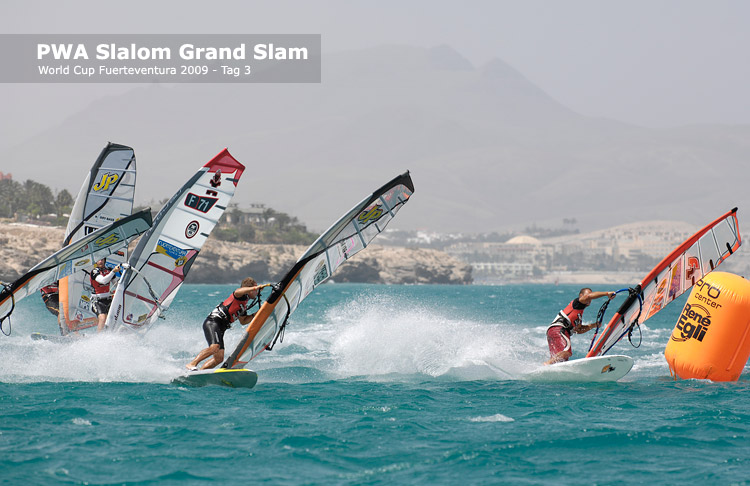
(711, 339)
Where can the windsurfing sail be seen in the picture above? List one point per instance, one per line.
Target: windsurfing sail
(106, 195)
(74, 258)
(673, 276)
(345, 238)
(163, 257)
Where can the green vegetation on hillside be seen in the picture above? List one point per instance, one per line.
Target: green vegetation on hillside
(33, 200)
(268, 226)
(256, 225)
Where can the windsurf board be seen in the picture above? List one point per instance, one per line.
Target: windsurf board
(597, 369)
(233, 378)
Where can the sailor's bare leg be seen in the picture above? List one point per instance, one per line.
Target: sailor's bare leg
(209, 351)
(559, 357)
(216, 360)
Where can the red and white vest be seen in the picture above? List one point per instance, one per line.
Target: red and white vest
(100, 288)
(231, 308)
(569, 318)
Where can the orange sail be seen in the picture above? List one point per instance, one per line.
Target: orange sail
(673, 276)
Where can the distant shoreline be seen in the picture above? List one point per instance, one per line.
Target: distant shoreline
(581, 278)
(23, 245)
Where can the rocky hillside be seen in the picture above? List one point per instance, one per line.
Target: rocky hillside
(23, 246)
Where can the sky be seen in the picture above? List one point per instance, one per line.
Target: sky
(657, 65)
(653, 64)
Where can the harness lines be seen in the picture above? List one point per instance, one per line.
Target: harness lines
(633, 293)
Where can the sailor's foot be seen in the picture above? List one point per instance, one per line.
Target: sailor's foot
(191, 367)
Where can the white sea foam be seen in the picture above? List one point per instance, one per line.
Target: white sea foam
(498, 417)
(379, 336)
(154, 357)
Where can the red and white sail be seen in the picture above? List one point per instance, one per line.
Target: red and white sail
(673, 276)
(163, 257)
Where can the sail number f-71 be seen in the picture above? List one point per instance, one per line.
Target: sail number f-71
(200, 203)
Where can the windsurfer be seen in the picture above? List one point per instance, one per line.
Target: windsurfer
(101, 300)
(235, 307)
(51, 298)
(570, 320)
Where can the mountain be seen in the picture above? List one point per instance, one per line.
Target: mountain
(487, 148)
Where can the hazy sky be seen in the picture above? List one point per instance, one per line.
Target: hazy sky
(654, 64)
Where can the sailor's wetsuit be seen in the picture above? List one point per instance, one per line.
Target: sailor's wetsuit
(558, 332)
(101, 299)
(221, 318)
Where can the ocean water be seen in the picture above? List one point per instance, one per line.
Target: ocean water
(371, 385)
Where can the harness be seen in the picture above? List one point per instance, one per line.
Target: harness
(232, 307)
(569, 318)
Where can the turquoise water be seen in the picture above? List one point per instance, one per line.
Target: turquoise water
(372, 385)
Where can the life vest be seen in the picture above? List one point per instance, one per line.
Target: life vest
(100, 288)
(569, 318)
(232, 307)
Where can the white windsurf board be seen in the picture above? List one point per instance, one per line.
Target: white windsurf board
(597, 369)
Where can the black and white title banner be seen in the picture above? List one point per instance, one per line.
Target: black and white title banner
(166, 58)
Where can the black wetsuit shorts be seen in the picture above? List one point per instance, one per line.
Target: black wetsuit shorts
(213, 329)
(101, 306)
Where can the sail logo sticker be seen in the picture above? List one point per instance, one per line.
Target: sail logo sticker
(64, 270)
(110, 239)
(200, 203)
(107, 180)
(675, 287)
(170, 250)
(370, 215)
(344, 248)
(321, 273)
(192, 229)
(216, 181)
(693, 265)
(658, 299)
(83, 262)
(694, 323)
(608, 369)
